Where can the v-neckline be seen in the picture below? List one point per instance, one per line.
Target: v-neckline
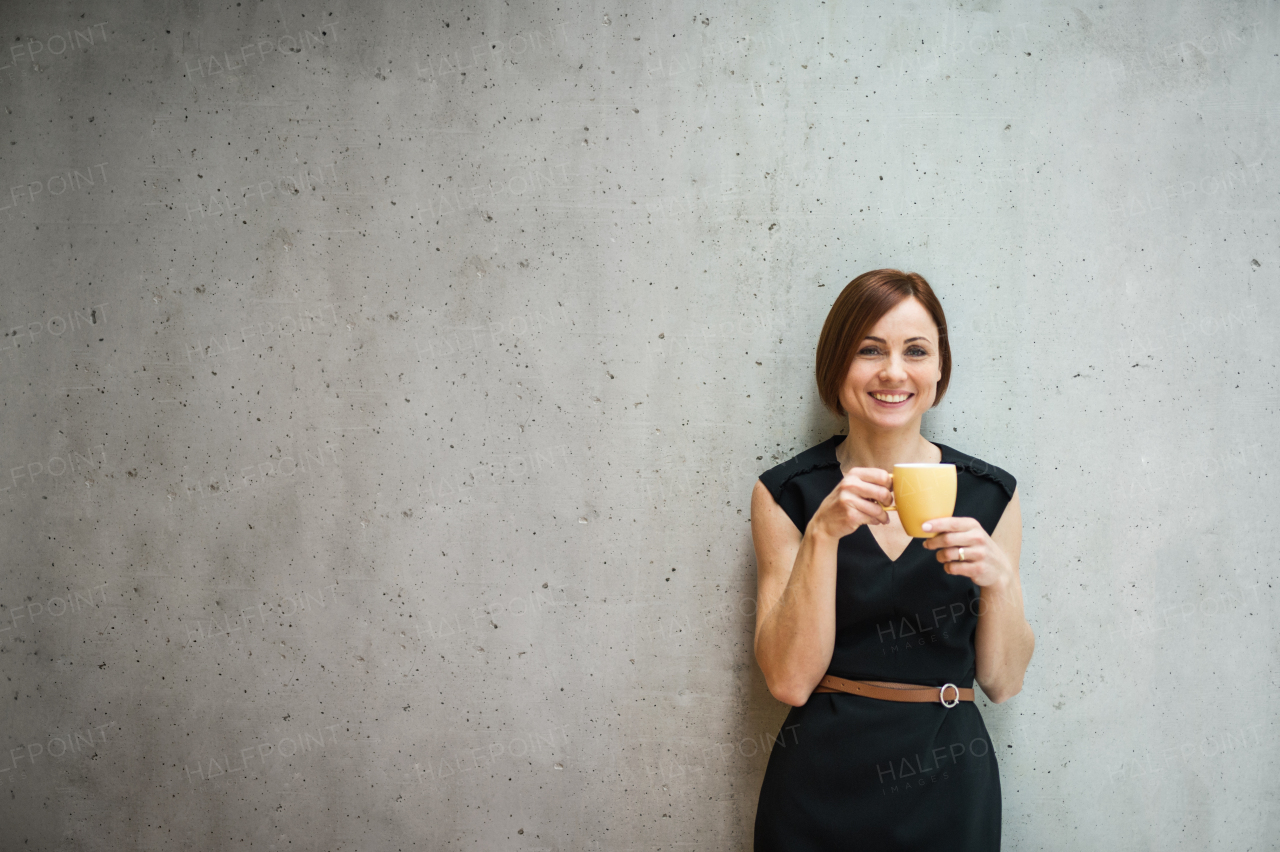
(836, 440)
(885, 553)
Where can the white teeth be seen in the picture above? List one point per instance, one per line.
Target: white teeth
(885, 397)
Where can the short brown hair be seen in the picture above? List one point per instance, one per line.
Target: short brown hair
(859, 307)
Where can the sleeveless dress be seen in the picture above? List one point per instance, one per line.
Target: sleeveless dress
(854, 773)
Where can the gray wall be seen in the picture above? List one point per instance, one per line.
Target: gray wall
(384, 386)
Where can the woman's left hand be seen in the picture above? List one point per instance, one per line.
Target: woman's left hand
(985, 563)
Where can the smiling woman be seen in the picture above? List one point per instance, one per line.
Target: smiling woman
(861, 304)
(874, 643)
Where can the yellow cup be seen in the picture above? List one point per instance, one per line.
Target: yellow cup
(923, 492)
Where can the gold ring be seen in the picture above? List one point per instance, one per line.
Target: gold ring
(962, 554)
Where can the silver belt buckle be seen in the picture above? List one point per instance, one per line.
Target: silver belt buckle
(942, 695)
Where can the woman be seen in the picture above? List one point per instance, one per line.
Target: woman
(891, 752)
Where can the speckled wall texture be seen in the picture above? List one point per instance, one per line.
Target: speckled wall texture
(384, 385)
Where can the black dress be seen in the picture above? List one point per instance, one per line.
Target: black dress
(854, 773)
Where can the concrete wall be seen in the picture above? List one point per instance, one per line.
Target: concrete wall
(384, 385)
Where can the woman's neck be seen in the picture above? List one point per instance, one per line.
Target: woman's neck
(875, 448)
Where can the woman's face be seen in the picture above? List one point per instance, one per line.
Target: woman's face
(895, 371)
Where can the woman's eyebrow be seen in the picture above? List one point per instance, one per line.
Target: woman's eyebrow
(908, 340)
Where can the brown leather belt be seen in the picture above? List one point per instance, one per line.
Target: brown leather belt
(948, 695)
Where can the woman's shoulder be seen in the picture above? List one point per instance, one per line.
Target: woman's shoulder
(822, 455)
(980, 468)
(818, 456)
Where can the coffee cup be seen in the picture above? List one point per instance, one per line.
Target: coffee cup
(923, 492)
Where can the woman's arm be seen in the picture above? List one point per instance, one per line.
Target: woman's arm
(1003, 642)
(796, 580)
(795, 601)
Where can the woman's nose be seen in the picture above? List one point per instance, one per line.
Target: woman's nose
(893, 367)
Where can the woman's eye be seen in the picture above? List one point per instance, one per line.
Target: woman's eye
(916, 351)
(870, 350)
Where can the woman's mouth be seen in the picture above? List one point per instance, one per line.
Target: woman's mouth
(891, 400)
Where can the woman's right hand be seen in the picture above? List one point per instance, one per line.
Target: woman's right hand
(859, 499)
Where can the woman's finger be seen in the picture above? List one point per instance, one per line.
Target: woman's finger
(860, 508)
(960, 535)
(874, 509)
(952, 557)
(870, 491)
(952, 539)
(952, 524)
(960, 569)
